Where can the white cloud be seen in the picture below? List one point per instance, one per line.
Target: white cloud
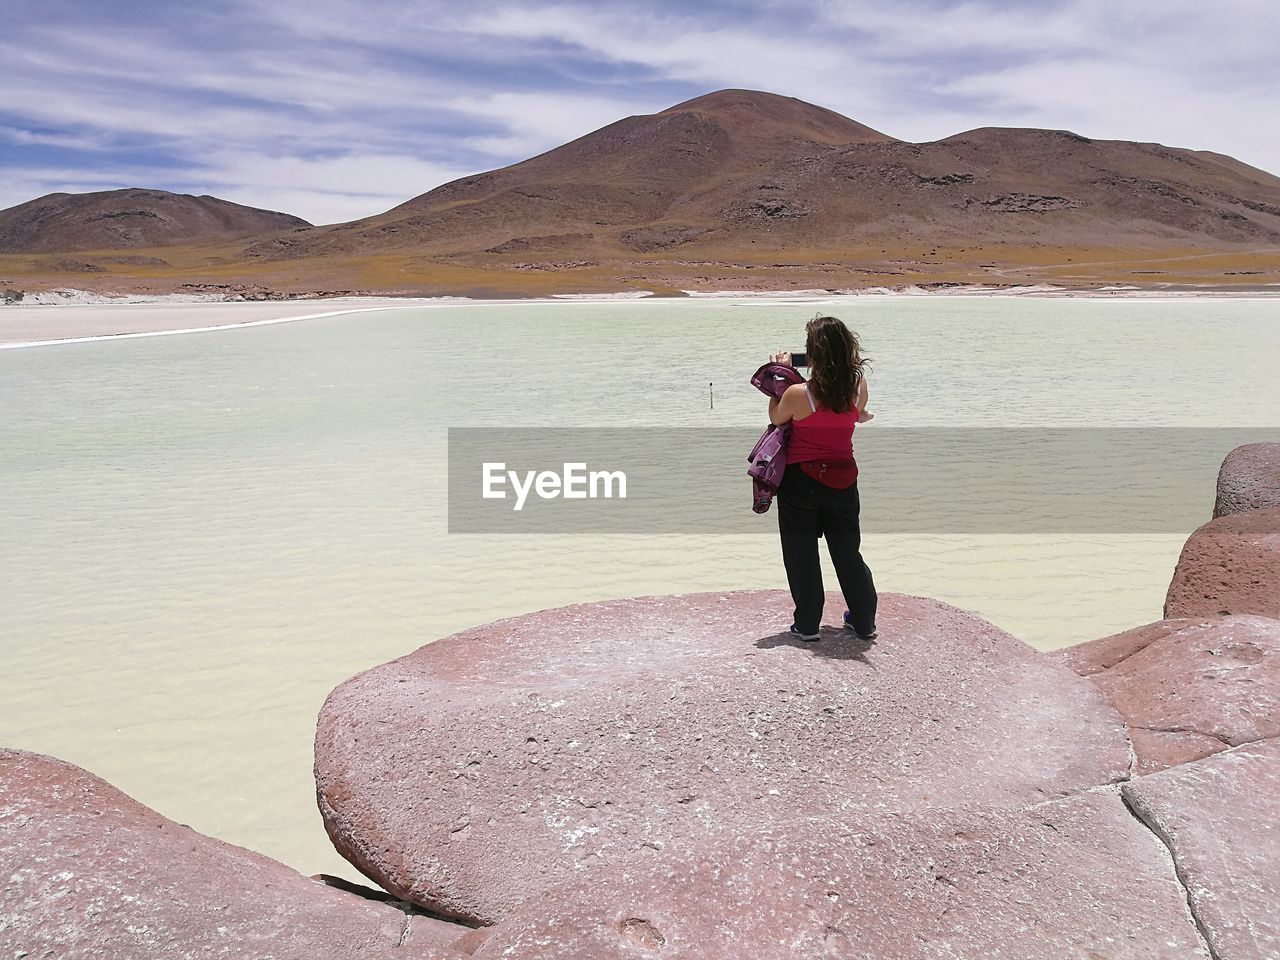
(910, 30)
(62, 89)
(539, 121)
(165, 69)
(710, 56)
(324, 190)
(73, 141)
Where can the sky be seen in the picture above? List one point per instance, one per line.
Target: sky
(337, 109)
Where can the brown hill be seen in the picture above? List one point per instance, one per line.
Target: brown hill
(741, 171)
(128, 219)
(730, 191)
(620, 183)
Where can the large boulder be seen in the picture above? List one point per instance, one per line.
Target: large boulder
(1073, 878)
(90, 873)
(490, 766)
(1249, 479)
(1094, 656)
(1229, 565)
(1188, 688)
(1218, 818)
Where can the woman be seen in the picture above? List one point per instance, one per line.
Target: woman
(819, 491)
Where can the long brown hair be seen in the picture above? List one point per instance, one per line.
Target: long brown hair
(836, 362)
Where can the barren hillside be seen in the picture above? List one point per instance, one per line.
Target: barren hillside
(129, 219)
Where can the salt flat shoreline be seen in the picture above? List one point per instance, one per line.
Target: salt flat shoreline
(48, 325)
(82, 317)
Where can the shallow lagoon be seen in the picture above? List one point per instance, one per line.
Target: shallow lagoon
(205, 533)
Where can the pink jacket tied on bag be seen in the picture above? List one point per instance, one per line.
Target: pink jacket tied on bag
(768, 458)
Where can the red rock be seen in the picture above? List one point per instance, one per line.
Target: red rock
(1069, 878)
(490, 766)
(1230, 565)
(1094, 656)
(426, 928)
(1249, 479)
(1219, 819)
(1189, 688)
(469, 942)
(91, 873)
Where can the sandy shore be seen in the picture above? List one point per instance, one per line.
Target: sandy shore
(81, 319)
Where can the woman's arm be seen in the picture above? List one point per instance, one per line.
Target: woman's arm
(861, 401)
(774, 404)
(781, 409)
(784, 409)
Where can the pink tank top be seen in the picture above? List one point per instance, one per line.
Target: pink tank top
(822, 435)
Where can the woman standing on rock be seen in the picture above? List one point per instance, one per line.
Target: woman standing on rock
(818, 496)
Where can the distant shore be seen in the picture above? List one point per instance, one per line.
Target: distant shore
(77, 316)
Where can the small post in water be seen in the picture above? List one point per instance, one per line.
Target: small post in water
(711, 391)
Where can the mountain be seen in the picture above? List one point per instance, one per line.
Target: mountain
(621, 183)
(735, 190)
(131, 218)
(743, 171)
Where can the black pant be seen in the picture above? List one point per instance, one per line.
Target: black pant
(808, 510)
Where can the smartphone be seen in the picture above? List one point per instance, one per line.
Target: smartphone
(798, 359)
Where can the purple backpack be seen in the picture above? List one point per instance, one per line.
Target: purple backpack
(768, 458)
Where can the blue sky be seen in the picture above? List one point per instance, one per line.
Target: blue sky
(336, 109)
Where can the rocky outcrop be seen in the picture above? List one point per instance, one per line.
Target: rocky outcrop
(490, 766)
(1094, 656)
(677, 778)
(91, 873)
(1249, 479)
(1229, 565)
(77, 266)
(1069, 878)
(1188, 688)
(1218, 819)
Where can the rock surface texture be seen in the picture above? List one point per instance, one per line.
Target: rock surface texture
(1249, 479)
(1229, 565)
(1188, 688)
(90, 874)
(1094, 656)
(1218, 818)
(492, 765)
(1065, 879)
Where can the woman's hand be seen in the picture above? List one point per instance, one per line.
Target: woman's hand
(865, 415)
(782, 356)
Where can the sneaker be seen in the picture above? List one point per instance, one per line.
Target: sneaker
(848, 625)
(795, 632)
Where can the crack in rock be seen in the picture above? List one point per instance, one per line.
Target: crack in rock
(1182, 881)
(404, 930)
(1221, 738)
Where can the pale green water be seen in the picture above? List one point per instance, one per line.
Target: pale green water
(204, 534)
